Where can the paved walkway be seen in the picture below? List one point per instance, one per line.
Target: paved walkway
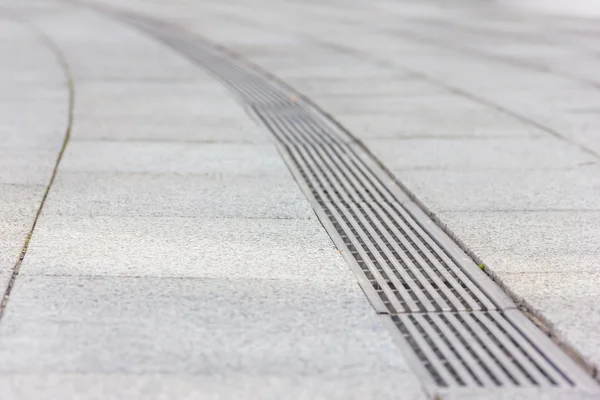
(175, 256)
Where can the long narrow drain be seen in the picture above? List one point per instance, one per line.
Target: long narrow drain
(454, 324)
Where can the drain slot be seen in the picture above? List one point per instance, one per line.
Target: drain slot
(453, 323)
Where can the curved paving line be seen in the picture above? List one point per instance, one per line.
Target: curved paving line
(455, 326)
(62, 60)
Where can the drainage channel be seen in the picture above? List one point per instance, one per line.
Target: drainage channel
(455, 326)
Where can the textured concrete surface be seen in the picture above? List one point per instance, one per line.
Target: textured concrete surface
(460, 154)
(214, 327)
(218, 159)
(177, 257)
(163, 387)
(177, 195)
(185, 247)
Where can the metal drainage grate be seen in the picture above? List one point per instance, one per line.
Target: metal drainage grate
(455, 326)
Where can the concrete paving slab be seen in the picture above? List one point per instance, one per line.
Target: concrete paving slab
(188, 387)
(26, 58)
(18, 206)
(434, 124)
(530, 241)
(575, 189)
(175, 195)
(481, 154)
(354, 71)
(216, 159)
(26, 166)
(438, 104)
(98, 47)
(221, 326)
(184, 247)
(175, 128)
(321, 90)
(42, 132)
(169, 99)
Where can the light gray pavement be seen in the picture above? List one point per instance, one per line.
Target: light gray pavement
(175, 255)
(489, 117)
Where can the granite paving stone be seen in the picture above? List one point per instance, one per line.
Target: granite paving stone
(176, 195)
(571, 189)
(213, 387)
(165, 128)
(222, 326)
(482, 154)
(436, 124)
(530, 241)
(185, 247)
(216, 159)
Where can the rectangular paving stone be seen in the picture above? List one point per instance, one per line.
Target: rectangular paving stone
(328, 91)
(46, 130)
(100, 47)
(19, 166)
(530, 241)
(436, 124)
(355, 71)
(170, 128)
(216, 159)
(184, 247)
(118, 194)
(167, 98)
(478, 153)
(196, 326)
(572, 189)
(435, 104)
(214, 387)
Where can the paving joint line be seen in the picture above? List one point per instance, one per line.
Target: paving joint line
(63, 62)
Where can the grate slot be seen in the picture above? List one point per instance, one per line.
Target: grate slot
(415, 297)
(493, 374)
(460, 359)
(416, 348)
(417, 284)
(433, 353)
(530, 369)
(496, 350)
(306, 139)
(328, 181)
(395, 300)
(364, 190)
(457, 299)
(363, 174)
(353, 191)
(551, 374)
(397, 245)
(282, 134)
(470, 296)
(320, 132)
(283, 128)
